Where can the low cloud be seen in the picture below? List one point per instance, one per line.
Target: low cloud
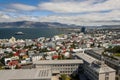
(80, 6)
(111, 18)
(23, 7)
(80, 12)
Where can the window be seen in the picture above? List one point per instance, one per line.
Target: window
(106, 76)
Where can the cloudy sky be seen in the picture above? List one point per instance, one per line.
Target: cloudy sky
(80, 12)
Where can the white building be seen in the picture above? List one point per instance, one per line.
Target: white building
(78, 50)
(61, 66)
(12, 40)
(36, 58)
(96, 70)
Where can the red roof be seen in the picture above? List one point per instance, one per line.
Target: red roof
(52, 49)
(116, 42)
(39, 45)
(55, 56)
(13, 63)
(16, 54)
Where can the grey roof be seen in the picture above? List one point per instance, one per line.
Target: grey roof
(25, 74)
(86, 57)
(105, 69)
(98, 50)
(58, 62)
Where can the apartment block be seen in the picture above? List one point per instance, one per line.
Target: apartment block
(60, 66)
(95, 69)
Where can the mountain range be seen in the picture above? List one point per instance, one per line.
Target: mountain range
(32, 24)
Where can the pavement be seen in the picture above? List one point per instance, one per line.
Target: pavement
(55, 78)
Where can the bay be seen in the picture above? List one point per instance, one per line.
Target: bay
(30, 33)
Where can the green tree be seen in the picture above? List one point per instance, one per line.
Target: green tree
(65, 77)
(115, 49)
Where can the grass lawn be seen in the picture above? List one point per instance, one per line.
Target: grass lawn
(116, 54)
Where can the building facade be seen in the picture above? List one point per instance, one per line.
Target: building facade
(60, 66)
(115, 64)
(95, 69)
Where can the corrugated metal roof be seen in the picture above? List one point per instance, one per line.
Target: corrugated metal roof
(58, 62)
(25, 74)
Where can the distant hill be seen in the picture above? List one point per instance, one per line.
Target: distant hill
(31, 24)
(110, 26)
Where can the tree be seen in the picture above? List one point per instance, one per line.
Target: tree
(73, 46)
(65, 77)
(115, 49)
(2, 60)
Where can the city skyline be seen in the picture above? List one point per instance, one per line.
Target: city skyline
(79, 12)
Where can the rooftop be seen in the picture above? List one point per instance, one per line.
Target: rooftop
(86, 57)
(98, 50)
(58, 62)
(25, 74)
(101, 67)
